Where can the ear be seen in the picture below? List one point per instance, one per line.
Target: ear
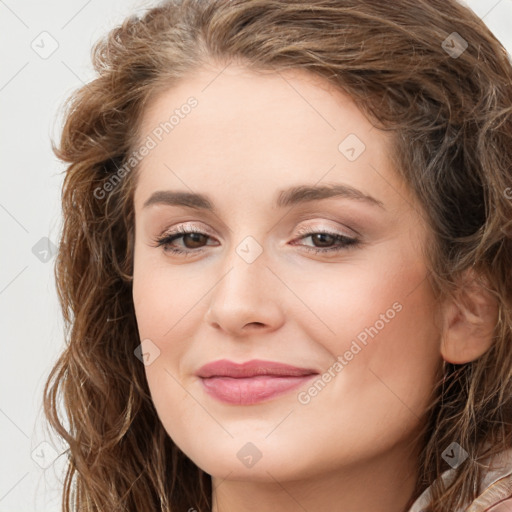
(469, 321)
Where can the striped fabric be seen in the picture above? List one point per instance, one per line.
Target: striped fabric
(495, 488)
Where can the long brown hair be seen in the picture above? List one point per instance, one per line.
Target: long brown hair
(450, 113)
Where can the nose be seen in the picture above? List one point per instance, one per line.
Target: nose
(247, 298)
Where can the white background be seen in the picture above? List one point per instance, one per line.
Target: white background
(32, 91)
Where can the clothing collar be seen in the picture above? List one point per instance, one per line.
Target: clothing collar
(495, 485)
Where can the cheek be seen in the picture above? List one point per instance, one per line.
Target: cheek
(163, 294)
(161, 308)
(382, 303)
(377, 323)
(167, 301)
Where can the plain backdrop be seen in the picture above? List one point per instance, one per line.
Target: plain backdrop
(45, 54)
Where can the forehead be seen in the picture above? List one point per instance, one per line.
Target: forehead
(254, 132)
(293, 103)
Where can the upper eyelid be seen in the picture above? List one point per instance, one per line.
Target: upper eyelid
(320, 229)
(304, 229)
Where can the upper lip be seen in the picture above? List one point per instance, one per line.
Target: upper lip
(226, 368)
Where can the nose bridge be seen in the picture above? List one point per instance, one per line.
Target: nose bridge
(246, 291)
(246, 258)
(245, 271)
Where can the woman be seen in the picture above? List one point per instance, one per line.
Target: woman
(285, 261)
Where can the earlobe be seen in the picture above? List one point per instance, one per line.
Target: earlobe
(469, 322)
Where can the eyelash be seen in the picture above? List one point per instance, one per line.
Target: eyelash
(165, 241)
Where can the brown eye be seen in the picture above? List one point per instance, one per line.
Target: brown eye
(326, 242)
(192, 241)
(196, 239)
(325, 239)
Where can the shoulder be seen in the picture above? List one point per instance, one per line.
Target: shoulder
(495, 490)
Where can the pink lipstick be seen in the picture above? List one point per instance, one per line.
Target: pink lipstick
(251, 382)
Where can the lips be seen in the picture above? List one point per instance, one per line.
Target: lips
(251, 382)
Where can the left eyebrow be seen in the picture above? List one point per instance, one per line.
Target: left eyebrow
(287, 197)
(304, 193)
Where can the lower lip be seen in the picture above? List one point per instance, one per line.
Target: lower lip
(251, 390)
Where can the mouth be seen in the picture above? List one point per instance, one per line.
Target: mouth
(251, 382)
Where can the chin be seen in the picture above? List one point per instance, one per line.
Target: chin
(258, 462)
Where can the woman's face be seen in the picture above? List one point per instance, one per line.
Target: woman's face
(358, 321)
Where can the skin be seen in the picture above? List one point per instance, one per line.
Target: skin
(250, 136)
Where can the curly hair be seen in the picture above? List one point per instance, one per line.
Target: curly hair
(450, 116)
